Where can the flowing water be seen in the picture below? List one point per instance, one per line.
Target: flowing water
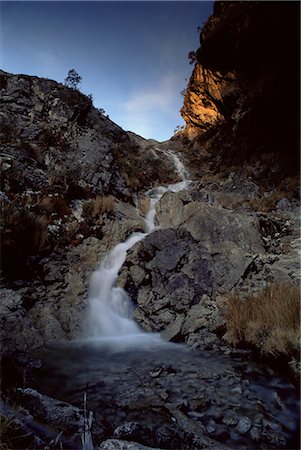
(136, 383)
(110, 308)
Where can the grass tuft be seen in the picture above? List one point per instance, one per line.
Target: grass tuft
(270, 320)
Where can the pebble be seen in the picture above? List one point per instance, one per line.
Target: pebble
(255, 433)
(230, 420)
(271, 425)
(244, 425)
(211, 427)
(236, 390)
(156, 372)
(277, 400)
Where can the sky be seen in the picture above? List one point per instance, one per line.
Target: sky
(132, 56)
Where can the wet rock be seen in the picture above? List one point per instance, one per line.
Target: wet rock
(116, 444)
(230, 420)
(57, 414)
(211, 426)
(236, 390)
(17, 370)
(283, 204)
(135, 431)
(196, 430)
(173, 330)
(18, 330)
(277, 400)
(244, 425)
(255, 433)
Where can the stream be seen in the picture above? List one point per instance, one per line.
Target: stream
(160, 394)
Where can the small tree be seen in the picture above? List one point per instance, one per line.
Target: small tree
(192, 57)
(73, 79)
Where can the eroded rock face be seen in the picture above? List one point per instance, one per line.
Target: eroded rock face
(246, 71)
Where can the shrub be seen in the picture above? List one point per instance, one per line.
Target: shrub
(270, 320)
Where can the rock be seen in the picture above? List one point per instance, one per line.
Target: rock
(169, 272)
(56, 413)
(283, 204)
(135, 431)
(277, 400)
(244, 425)
(116, 444)
(17, 370)
(230, 420)
(61, 416)
(236, 390)
(173, 330)
(196, 430)
(18, 330)
(255, 433)
(211, 427)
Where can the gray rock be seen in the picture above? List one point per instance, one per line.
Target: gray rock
(230, 420)
(283, 204)
(255, 433)
(60, 415)
(116, 444)
(244, 425)
(211, 427)
(174, 328)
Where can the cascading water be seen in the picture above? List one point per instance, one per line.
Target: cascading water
(110, 308)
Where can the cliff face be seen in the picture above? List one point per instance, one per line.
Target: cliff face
(243, 96)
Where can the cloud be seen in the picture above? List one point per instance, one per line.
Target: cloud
(149, 109)
(159, 97)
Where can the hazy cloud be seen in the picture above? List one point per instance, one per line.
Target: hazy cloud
(146, 109)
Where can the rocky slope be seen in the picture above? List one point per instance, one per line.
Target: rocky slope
(69, 182)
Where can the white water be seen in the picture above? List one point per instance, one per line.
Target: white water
(110, 308)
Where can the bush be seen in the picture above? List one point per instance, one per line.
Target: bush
(270, 320)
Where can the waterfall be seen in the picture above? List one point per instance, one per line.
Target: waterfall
(110, 308)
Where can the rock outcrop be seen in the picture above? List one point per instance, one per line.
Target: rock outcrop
(209, 244)
(241, 103)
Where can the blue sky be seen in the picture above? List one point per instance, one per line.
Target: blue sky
(132, 56)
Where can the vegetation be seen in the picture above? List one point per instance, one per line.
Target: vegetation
(270, 320)
(192, 57)
(12, 436)
(73, 79)
(95, 207)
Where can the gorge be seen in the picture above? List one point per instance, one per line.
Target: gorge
(150, 290)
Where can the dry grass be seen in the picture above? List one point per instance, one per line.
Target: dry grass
(12, 436)
(270, 320)
(95, 207)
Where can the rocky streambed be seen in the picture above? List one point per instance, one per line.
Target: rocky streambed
(143, 391)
